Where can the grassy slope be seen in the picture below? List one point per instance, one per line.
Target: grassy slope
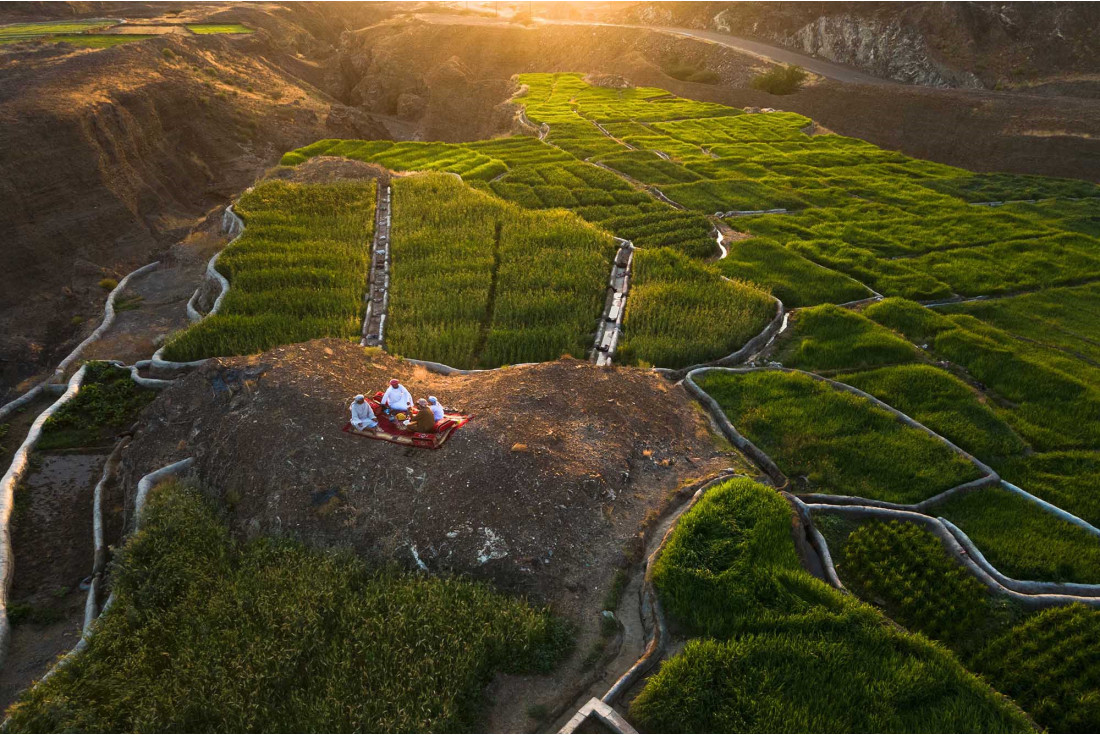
(828, 337)
(841, 443)
(212, 635)
(1022, 540)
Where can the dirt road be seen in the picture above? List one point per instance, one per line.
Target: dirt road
(765, 51)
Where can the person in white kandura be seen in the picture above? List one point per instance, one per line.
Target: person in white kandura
(362, 415)
(436, 407)
(397, 398)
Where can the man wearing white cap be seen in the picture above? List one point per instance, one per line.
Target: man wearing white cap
(362, 415)
(397, 398)
(436, 407)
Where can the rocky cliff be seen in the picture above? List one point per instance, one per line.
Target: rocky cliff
(956, 44)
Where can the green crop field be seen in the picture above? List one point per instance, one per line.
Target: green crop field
(918, 584)
(298, 272)
(943, 403)
(674, 301)
(1022, 540)
(1050, 664)
(208, 28)
(210, 634)
(1049, 397)
(828, 337)
(840, 443)
(1047, 661)
(795, 280)
(24, 31)
(480, 282)
(780, 651)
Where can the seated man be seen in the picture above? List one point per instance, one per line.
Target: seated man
(436, 407)
(362, 415)
(424, 421)
(397, 398)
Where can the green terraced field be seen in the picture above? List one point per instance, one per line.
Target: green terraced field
(297, 273)
(1024, 541)
(1014, 379)
(779, 651)
(839, 443)
(507, 285)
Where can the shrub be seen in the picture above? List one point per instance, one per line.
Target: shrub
(780, 80)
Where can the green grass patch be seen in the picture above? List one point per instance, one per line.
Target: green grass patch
(203, 29)
(210, 634)
(108, 402)
(796, 281)
(297, 273)
(784, 652)
(830, 441)
(681, 312)
(1022, 540)
(945, 404)
(828, 337)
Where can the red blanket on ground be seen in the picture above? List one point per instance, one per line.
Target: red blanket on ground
(393, 431)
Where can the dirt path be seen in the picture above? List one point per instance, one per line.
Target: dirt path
(155, 304)
(53, 548)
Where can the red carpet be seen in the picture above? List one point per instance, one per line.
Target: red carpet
(390, 431)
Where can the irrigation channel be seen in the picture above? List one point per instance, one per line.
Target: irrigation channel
(653, 640)
(378, 292)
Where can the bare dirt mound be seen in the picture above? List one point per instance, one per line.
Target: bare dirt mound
(547, 492)
(544, 491)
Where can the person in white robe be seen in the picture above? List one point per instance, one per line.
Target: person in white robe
(397, 398)
(362, 415)
(436, 407)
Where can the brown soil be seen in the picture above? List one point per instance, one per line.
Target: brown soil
(544, 492)
(112, 155)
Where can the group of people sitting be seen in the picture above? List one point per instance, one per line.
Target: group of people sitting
(397, 404)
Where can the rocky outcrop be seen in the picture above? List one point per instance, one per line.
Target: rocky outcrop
(994, 45)
(890, 49)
